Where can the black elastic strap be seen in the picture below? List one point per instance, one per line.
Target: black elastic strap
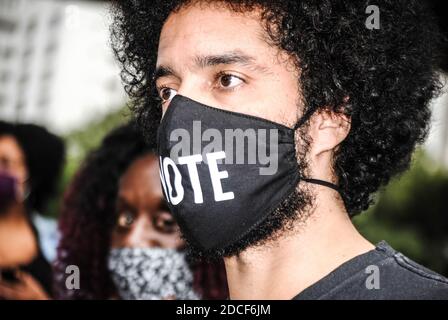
(305, 118)
(323, 183)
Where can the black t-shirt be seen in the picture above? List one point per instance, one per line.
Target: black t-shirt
(381, 273)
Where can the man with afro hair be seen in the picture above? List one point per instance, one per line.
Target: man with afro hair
(355, 97)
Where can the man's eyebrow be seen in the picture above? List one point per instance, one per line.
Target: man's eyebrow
(163, 71)
(224, 58)
(227, 58)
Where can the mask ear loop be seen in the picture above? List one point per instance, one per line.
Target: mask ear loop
(299, 123)
(305, 117)
(323, 183)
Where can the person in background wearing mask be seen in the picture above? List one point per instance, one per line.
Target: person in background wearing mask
(31, 159)
(117, 229)
(325, 110)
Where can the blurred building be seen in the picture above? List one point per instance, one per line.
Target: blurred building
(437, 143)
(56, 64)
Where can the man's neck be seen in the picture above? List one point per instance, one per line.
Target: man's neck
(293, 262)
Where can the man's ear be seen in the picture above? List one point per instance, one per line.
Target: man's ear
(328, 129)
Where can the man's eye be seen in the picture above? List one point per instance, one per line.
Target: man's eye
(166, 94)
(229, 81)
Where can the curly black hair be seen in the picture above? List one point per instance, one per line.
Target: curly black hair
(440, 7)
(44, 155)
(45, 158)
(88, 217)
(388, 74)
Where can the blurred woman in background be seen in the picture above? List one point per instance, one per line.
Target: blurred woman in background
(116, 228)
(31, 159)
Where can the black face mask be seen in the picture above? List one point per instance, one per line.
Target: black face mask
(219, 191)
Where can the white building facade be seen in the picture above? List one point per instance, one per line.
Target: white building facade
(56, 65)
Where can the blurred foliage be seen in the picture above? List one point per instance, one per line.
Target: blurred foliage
(79, 143)
(411, 214)
(83, 140)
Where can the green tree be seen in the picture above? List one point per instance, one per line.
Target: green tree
(411, 214)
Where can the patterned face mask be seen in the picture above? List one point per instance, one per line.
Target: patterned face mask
(151, 274)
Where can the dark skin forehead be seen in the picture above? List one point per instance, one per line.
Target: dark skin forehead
(140, 184)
